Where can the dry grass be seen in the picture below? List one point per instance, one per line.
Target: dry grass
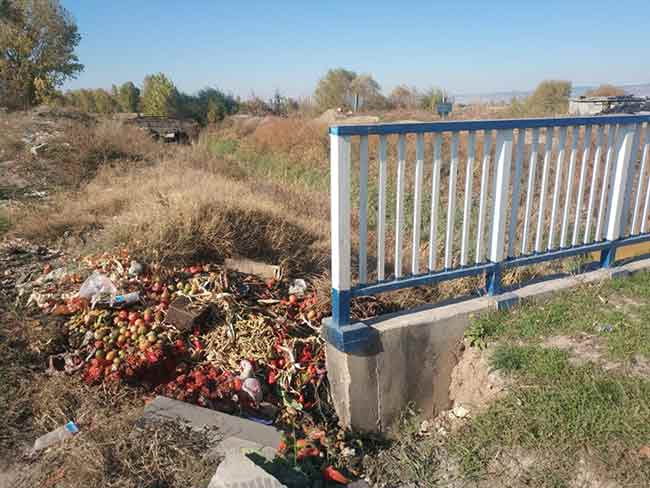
(84, 148)
(117, 452)
(173, 211)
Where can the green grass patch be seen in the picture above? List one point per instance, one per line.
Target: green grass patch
(223, 147)
(559, 409)
(622, 304)
(270, 165)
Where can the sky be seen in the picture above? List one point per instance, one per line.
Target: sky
(464, 47)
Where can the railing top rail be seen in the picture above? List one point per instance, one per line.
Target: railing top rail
(471, 125)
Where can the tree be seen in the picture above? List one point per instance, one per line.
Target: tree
(85, 100)
(333, 90)
(216, 111)
(340, 88)
(551, 97)
(431, 98)
(255, 106)
(606, 91)
(127, 97)
(159, 96)
(404, 97)
(104, 102)
(368, 92)
(37, 43)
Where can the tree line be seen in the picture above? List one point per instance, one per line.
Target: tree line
(158, 96)
(348, 90)
(38, 39)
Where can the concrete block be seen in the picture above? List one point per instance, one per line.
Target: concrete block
(504, 301)
(163, 408)
(620, 272)
(415, 355)
(352, 379)
(543, 290)
(237, 470)
(637, 266)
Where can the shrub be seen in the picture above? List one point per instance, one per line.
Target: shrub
(605, 91)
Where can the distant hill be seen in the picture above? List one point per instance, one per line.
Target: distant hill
(641, 90)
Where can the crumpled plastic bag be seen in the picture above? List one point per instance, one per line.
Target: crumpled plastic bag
(298, 288)
(96, 287)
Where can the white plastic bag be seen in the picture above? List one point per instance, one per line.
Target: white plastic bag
(97, 286)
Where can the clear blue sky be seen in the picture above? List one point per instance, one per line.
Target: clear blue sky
(462, 46)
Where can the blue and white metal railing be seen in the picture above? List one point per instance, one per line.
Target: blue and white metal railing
(534, 160)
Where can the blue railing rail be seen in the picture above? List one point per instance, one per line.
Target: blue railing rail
(548, 188)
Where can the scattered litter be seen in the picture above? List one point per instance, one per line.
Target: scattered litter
(605, 328)
(136, 268)
(644, 452)
(41, 300)
(298, 288)
(52, 277)
(128, 299)
(98, 287)
(56, 436)
(243, 265)
(64, 362)
(35, 149)
(185, 314)
(460, 412)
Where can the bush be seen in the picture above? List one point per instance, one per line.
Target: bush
(551, 97)
(605, 91)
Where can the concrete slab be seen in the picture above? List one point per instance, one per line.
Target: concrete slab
(198, 417)
(237, 470)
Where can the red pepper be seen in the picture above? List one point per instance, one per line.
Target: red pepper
(306, 356)
(331, 474)
(272, 378)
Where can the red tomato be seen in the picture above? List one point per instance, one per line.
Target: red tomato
(293, 299)
(237, 384)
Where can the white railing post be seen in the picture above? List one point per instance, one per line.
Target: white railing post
(613, 229)
(363, 210)
(340, 204)
(417, 203)
(499, 212)
(451, 203)
(381, 210)
(399, 204)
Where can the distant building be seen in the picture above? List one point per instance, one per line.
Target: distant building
(626, 104)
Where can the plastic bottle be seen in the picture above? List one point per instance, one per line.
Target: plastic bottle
(127, 299)
(56, 436)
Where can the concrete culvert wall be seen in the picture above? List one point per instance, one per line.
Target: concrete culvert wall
(415, 354)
